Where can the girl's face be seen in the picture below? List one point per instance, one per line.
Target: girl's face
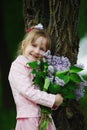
(33, 51)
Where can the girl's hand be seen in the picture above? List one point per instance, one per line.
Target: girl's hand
(58, 100)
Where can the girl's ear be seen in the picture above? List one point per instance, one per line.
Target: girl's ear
(23, 44)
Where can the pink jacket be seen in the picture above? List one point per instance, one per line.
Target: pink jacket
(26, 95)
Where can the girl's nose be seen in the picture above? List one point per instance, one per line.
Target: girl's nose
(37, 50)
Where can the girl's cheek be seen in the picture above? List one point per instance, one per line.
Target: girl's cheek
(42, 52)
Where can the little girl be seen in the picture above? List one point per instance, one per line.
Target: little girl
(28, 97)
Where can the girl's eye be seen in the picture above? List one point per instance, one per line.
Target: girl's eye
(42, 49)
(33, 45)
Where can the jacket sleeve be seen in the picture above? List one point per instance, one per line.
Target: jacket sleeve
(19, 78)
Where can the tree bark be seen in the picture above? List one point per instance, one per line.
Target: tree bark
(60, 19)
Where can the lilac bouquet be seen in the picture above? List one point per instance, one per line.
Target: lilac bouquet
(54, 75)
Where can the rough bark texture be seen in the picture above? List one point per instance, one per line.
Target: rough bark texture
(60, 18)
(69, 117)
(63, 27)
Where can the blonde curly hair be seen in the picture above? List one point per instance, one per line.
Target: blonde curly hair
(32, 36)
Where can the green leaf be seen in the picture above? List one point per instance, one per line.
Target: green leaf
(75, 69)
(44, 125)
(39, 81)
(70, 96)
(45, 110)
(34, 71)
(41, 74)
(54, 88)
(75, 78)
(46, 84)
(59, 73)
(68, 90)
(85, 90)
(33, 64)
(84, 76)
(64, 77)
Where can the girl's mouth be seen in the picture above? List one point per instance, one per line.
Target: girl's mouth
(33, 57)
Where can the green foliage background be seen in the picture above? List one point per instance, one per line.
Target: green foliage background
(13, 28)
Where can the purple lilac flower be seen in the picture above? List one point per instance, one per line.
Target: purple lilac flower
(49, 74)
(51, 78)
(55, 60)
(50, 69)
(60, 63)
(59, 81)
(47, 56)
(79, 92)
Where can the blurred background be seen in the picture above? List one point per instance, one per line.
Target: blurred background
(11, 33)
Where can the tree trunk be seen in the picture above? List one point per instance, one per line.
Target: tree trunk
(60, 18)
